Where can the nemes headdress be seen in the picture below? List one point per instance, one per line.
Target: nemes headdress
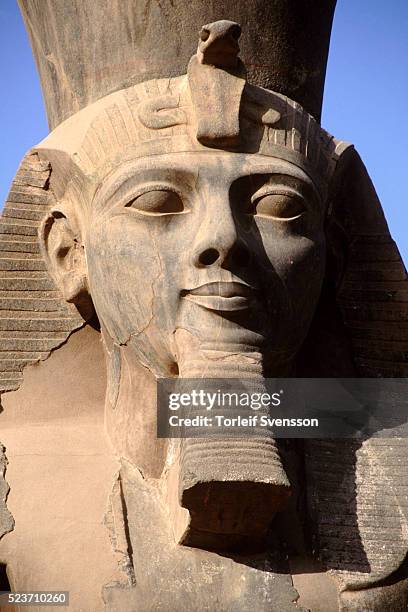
(361, 321)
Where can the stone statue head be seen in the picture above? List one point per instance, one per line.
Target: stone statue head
(191, 212)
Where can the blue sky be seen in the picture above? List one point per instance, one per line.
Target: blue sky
(366, 97)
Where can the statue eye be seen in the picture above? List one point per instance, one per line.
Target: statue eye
(157, 202)
(281, 206)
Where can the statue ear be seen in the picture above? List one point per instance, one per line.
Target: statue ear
(65, 256)
(32, 305)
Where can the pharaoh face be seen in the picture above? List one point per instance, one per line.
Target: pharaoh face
(196, 220)
(227, 245)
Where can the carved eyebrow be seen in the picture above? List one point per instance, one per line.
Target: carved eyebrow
(280, 187)
(275, 179)
(282, 168)
(304, 186)
(267, 169)
(132, 178)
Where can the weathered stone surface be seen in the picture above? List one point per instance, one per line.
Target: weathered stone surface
(60, 473)
(6, 520)
(359, 504)
(385, 598)
(181, 578)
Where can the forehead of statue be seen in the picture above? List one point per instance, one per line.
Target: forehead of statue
(195, 170)
(158, 118)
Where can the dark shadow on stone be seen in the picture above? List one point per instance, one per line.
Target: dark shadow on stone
(4, 580)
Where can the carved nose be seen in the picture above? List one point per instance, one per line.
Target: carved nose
(238, 256)
(218, 240)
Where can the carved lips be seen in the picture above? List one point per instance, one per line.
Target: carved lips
(224, 296)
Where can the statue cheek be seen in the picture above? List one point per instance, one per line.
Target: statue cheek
(304, 273)
(123, 266)
(296, 259)
(299, 264)
(308, 259)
